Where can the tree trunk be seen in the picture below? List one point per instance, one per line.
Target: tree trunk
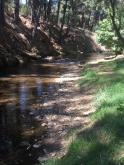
(16, 13)
(49, 9)
(36, 11)
(58, 12)
(74, 13)
(2, 17)
(32, 11)
(116, 28)
(45, 10)
(27, 2)
(63, 19)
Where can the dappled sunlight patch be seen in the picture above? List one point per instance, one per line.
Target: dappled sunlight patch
(100, 144)
(119, 154)
(49, 106)
(99, 114)
(89, 112)
(8, 100)
(109, 99)
(101, 74)
(105, 136)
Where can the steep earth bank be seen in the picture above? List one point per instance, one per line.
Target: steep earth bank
(17, 44)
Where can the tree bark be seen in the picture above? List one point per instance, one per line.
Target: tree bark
(45, 10)
(63, 19)
(32, 10)
(115, 26)
(36, 6)
(2, 17)
(27, 2)
(49, 9)
(16, 12)
(58, 12)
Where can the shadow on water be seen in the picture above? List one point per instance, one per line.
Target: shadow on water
(25, 94)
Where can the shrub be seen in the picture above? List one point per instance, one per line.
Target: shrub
(107, 37)
(24, 10)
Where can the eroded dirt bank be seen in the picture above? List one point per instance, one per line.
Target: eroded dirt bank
(19, 46)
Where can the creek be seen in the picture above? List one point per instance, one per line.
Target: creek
(27, 94)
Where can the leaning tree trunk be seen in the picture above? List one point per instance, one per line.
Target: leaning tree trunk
(2, 17)
(16, 12)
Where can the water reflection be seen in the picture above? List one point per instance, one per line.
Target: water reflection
(23, 97)
(22, 106)
(51, 87)
(39, 88)
(9, 130)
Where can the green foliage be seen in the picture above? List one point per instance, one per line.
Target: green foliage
(24, 9)
(9, 6)
(107, 37)
(105, 33)
(109, 100)
(89, 73)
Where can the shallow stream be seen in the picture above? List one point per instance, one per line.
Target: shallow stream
(24, 94)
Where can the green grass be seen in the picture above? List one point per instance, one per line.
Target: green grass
(103, 143)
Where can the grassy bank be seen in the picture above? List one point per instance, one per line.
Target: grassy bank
(103, 143)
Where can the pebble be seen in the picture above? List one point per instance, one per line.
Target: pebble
(43, 124)
(36, 145)
(29, 154)
(45, 151)
(24, 143)
(38, 118)
(42, 159)
(31, 113)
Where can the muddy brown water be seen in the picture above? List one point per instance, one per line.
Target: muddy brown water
(23, 91)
